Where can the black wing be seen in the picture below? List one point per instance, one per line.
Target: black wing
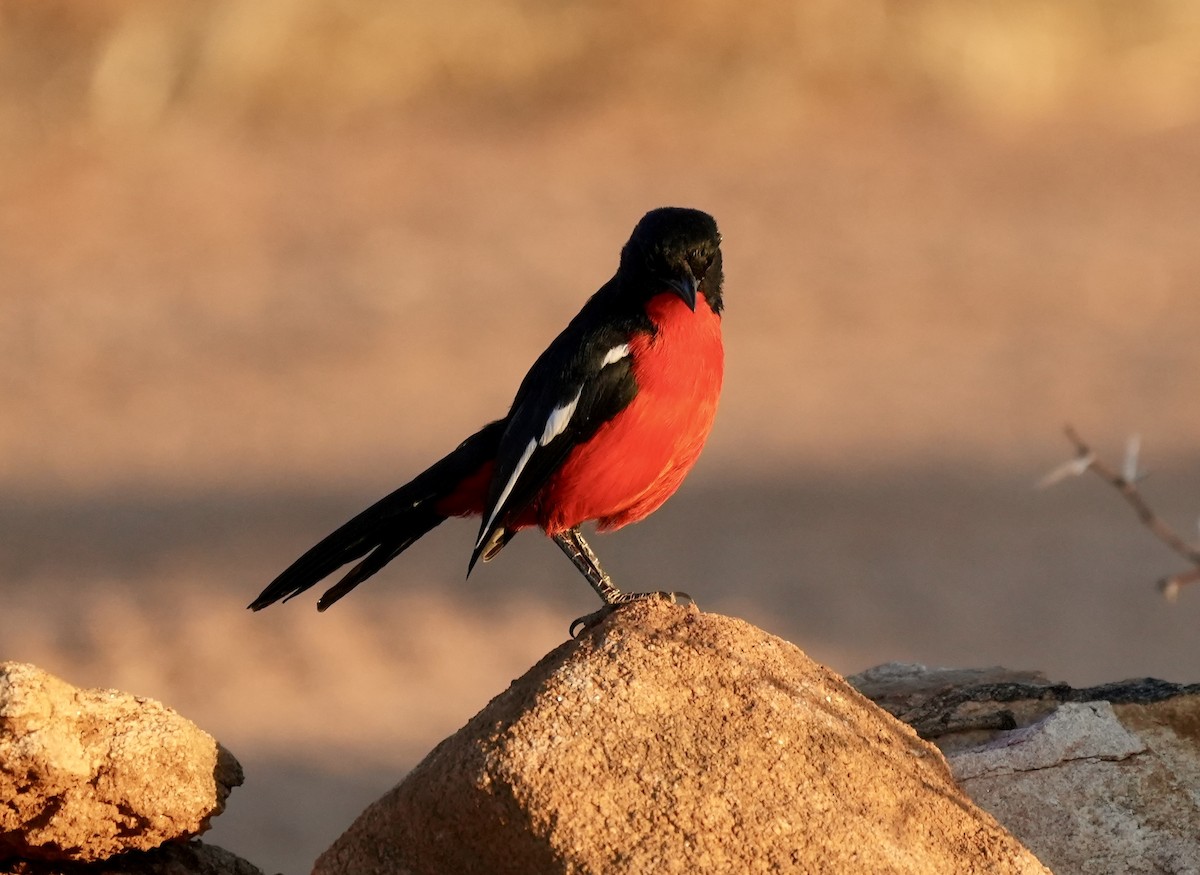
(582, 380)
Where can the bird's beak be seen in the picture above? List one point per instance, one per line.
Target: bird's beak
(685, 287)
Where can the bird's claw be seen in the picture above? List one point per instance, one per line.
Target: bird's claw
(587, 621)
(581, 624)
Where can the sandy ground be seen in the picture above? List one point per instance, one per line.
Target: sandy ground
(216, 345)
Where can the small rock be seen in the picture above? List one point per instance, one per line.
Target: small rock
(1088, 731)
(87, 774)
(185, 858)
(959, 707)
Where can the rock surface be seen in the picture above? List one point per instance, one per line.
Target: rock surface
(188, 858)
(1096, 780)
(666, 740)
(86, 774)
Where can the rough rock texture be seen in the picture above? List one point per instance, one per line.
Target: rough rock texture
(666, 740)
(86, 774)
(1098, 780)
(957, 706)
(189, 858)
(961, 707)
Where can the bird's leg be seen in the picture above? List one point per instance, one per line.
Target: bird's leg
(571, 542)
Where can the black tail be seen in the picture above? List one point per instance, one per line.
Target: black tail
(385, 529)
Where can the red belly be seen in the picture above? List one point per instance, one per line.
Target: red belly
(636, 461)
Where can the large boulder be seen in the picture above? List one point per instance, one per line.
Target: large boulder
(667, 740)
(87, 774)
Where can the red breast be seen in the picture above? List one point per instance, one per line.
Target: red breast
(636, 461)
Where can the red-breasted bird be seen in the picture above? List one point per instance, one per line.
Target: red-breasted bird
(604, 427)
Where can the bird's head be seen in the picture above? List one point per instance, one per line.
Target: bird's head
(678, 249)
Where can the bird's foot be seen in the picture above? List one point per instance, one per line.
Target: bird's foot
(675, 598)
(581, 624)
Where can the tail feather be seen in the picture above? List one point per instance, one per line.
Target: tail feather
(376, 559)
(385, 529)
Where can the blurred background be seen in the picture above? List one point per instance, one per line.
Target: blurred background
(261, 262)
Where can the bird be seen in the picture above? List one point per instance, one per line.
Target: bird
(603, 429)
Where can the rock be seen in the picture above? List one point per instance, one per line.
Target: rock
(86, 774)
(188, 858)
(1073, 732)
(1099, 780)
(1088, 795)
(960, 707)
(666, 740)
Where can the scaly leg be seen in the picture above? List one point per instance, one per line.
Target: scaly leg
(571, 542)
(583, 558)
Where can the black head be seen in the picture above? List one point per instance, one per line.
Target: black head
(677, 248)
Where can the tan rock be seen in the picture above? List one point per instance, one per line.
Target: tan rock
(667, 740)
(86, 774)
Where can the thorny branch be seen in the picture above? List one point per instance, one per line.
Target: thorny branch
(1125, 482)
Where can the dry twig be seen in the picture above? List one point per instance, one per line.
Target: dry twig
(1126, 482)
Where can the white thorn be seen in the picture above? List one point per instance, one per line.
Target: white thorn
(1129, 470)
(1072, 468)
(1169, 587)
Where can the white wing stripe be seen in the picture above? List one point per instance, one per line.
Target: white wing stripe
(614, 355)
(559, 418)
(508, 488)
(556, 424)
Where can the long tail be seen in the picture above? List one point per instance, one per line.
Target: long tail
(393, 524)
